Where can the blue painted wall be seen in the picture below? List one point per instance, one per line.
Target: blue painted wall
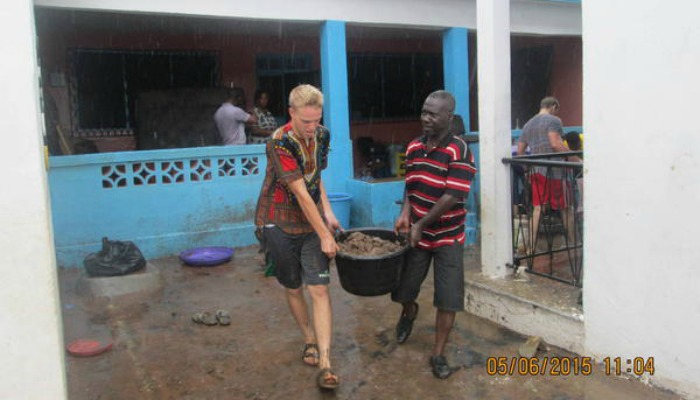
(455, 50)
(374, 204)
(164, 200)
(336, 114)
(474, 201)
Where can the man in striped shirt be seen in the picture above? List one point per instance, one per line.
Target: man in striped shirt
(439, 171)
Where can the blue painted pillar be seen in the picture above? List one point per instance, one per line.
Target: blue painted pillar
(336, 115)
(455, 53)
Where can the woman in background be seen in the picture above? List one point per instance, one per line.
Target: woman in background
(262, 131)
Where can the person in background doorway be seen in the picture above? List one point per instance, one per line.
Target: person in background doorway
(457, 126)
(574, 141)
(298, 224)
(542, 134)
(230, 118)
(439, 171)
(261, 132)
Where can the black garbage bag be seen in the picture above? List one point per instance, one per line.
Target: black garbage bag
(115, 258)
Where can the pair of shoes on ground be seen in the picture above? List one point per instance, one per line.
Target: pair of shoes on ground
(326, 378)
(405, 326)
(438, 363)
(441, 369)
(220, 317)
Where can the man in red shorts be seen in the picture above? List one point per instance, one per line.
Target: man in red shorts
(542, 133)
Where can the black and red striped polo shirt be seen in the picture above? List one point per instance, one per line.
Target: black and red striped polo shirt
(447, 168)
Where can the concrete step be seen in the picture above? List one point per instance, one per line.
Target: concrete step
(144, 282)
(529, 304)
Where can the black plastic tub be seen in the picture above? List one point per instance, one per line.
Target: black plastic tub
(370, 276)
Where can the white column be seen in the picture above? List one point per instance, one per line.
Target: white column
(493, 57)
(31, 342)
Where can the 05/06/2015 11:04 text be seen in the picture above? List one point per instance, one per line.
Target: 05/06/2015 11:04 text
(566, 366)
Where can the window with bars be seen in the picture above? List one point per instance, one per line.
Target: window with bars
(107, 82)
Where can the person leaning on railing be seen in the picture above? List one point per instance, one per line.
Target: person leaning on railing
(543, 135)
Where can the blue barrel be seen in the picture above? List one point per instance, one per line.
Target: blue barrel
(340, 202)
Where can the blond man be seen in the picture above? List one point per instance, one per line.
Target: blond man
(297, 223)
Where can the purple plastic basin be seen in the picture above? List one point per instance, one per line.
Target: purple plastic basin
(206, 256)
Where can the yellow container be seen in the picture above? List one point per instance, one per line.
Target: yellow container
(400, 163)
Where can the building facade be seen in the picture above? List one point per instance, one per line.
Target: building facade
(638, 293)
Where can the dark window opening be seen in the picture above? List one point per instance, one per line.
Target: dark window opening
(387, 86)
(278, 74)
(108, 82)
(530, 72)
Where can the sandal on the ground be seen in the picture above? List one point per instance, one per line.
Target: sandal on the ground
(223, 317)
(404, 326)
(310, 352)
(205, 318)
(440, 368)
(327, 379)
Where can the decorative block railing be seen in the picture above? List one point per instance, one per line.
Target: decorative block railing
(174, 172)
(163, 200)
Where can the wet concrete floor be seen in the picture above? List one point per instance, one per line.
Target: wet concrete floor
(159, 353)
